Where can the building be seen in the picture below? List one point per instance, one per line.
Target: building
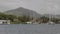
(34, 21)
(29, 22)
(4, 21)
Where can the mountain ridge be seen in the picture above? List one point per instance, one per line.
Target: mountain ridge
(23, 11)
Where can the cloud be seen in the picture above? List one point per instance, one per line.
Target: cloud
(10, 4)
(41, 6)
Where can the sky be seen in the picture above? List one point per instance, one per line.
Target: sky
(40, 6)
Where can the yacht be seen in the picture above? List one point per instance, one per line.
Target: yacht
(50, 22)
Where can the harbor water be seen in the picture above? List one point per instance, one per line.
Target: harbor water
(29, 29)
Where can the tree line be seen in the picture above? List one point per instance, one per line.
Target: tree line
(15, 19)
(23, 19)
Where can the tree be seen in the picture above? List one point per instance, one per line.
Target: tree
(44, 19)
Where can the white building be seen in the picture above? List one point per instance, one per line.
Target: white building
(4, 21)
(29, 22)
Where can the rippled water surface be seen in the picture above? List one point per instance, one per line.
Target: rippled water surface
(30, 29)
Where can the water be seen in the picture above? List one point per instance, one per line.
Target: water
(30, 29)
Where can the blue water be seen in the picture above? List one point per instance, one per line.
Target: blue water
(30, 29)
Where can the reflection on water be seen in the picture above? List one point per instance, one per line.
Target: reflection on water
(30, 29)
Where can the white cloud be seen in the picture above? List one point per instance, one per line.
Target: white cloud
(41, 6)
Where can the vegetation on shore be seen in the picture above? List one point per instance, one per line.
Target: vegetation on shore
(23, 19)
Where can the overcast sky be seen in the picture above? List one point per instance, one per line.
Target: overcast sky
(41, 6)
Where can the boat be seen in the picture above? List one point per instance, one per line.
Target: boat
(50, 22)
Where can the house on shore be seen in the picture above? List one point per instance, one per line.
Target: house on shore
(4, 21)
(34, 21)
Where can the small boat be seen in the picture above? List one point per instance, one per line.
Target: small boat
(51, 23)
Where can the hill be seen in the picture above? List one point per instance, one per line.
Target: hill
(23, 11)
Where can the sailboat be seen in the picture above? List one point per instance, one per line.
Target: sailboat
(50, 22)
